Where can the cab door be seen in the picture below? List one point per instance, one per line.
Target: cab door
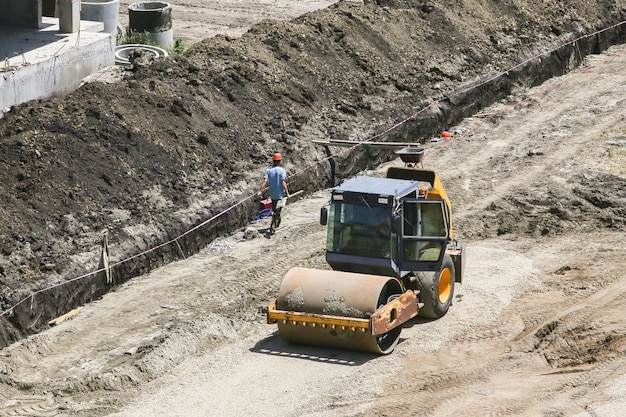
(423, 235)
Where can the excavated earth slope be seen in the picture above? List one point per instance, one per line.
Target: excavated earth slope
(174, 142)
(536, 179)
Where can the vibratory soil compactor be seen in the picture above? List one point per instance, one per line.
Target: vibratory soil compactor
(393, 257)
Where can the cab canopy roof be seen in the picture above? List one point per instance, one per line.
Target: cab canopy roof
(388, 187)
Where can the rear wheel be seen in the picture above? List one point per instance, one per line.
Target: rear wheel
(436, 290)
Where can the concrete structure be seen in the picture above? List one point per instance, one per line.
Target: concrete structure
(105, 11)
(44, 63)
(22, 13)
(151, 22)
(69, 16)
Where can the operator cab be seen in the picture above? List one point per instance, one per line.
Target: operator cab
(362, 236)
(384, 226)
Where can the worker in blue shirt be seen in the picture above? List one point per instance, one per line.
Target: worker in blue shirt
(275, 177)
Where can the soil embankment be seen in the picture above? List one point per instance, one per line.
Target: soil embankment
(174, 143)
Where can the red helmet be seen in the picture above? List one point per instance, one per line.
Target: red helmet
(277, 157)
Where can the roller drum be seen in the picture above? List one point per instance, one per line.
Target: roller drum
(335, 293)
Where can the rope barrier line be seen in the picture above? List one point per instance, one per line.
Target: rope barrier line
(9, 311)
(315, 165)
(461, 91)
(541, 92)
(536, 58)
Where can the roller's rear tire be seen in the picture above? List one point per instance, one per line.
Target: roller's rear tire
(436, 290)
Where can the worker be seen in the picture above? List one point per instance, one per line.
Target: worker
(275, 176)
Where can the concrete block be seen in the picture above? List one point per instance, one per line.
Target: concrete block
(44, 64)
(69, 16)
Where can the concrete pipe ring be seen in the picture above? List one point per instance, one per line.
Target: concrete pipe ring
(152, 20)
(105, 11)
(122, 52)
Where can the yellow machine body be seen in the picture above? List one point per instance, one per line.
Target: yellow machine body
(392, 255)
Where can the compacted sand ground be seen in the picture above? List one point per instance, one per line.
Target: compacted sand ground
(537, 328)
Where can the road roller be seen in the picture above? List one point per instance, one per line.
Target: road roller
(392, 257)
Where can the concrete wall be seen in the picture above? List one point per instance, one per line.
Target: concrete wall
(55, 69)
(20, 13)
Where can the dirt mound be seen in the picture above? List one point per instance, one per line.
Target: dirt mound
(536, 181)
(176, 142)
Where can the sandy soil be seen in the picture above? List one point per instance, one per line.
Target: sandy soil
(537, 328)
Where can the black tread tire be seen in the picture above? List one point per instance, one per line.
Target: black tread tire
(428, 285)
